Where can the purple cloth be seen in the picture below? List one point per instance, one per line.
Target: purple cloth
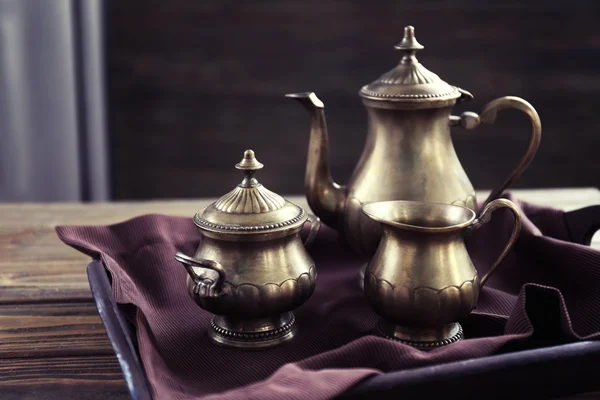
(546, 292)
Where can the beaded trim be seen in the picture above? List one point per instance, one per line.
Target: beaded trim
(254, 336)
(368, 92)
(250, 228)
(435, 343)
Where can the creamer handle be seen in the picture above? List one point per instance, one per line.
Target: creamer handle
(485, 216)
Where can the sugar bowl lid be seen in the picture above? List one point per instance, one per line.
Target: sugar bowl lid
(410, 84)
(250, 208)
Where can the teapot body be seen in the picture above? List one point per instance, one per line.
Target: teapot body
(408, 155)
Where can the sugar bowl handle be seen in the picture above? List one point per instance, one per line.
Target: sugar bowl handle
(315, 225)
(485, 216)
(205, 287)
(470, 120)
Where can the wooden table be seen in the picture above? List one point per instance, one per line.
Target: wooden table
(52, 343)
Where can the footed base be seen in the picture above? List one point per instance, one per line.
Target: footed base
(253, 334)
(419, 337)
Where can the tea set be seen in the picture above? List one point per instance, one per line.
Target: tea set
(408, 206)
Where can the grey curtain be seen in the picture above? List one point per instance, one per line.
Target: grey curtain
(53, 140)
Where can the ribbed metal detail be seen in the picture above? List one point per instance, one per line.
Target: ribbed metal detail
(251, 200)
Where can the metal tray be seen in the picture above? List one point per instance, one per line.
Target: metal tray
(550, 372)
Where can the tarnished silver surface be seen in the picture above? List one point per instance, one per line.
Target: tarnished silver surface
(421, 280)
(251, 269)
(409, 154)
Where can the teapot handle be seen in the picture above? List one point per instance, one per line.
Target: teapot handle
(470, 120)
(204, 290)
(315, 225)
(485, 217)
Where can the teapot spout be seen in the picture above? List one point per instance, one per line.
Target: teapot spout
(325, 197)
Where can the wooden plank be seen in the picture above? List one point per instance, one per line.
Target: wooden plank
(64, 370)
(93, 377)
(35, 266)
(52, 330)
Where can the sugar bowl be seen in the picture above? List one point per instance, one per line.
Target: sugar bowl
(251, 268)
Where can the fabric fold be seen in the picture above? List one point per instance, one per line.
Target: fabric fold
(546, 292)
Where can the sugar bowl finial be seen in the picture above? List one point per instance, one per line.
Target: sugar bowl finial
(249, 165)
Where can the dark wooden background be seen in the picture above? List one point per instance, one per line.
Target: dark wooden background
(194, 83)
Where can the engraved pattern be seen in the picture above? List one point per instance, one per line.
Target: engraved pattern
(435, 343)
(267, 298)
(411, 73)
(399, 82)
(202, 223)
(421, 304)
(410, 80)
(418, 288)
(311, 274)
(251, 200)
(254, 336)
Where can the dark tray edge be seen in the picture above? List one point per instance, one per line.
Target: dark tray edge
(546, 367)
(119, 332)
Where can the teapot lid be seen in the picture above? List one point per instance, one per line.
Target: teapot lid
(250, 207)
(410, 84)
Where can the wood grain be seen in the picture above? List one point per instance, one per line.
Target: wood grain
(35, 266)
(92, 377)
(67, 370)
(47, 330)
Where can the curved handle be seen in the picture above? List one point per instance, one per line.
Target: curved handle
(470, 120)
(486, 216)
(315, 225)
(203, 288)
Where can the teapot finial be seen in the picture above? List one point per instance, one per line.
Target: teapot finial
(249, 165)
(249, 162)
(409, 44)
